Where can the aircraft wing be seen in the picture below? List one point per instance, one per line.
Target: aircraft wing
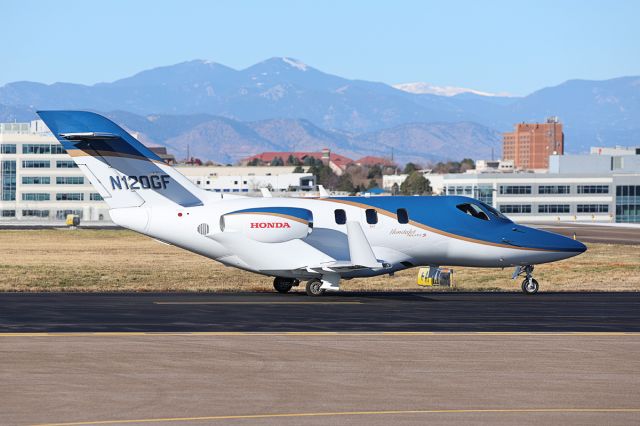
(360, 253)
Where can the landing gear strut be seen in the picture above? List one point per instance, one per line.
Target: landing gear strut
(529, 284)
(283, 285)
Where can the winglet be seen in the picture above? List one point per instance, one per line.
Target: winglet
(359, 248)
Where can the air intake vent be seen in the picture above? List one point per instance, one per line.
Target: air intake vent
(203, 229)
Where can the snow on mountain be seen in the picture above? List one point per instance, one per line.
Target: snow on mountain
(421, 88)
(295, 63)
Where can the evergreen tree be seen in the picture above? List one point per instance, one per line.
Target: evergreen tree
(410, 168)
(415, 184)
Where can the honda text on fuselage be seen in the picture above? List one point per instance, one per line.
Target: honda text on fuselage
(320, 240)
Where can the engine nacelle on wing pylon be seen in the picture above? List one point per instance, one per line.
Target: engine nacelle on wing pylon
(269, 224)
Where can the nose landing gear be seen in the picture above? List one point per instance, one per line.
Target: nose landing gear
(529, 284)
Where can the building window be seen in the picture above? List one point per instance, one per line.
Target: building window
(593, 189)
(36, 180)
(36, 148)
(515, 208)
(592, 208)
(372, 216)
(8, 179)
(35, 164)
(94, 196)
(403, 215)
(628, 203)
(485, 194)
(7, 148)
(62, 214)
(554, 189)
(35, 213)
(8, 213)
(69, 180)
(553, 208)
(57, 149)
(340, 216)
(69, 196)
(65, 164)
(35, 196)
(515, 189)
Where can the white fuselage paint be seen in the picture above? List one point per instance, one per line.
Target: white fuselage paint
(391, 241)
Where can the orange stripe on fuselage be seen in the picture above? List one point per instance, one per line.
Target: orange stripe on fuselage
(434, 230)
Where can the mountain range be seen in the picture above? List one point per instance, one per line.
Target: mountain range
(225, 114)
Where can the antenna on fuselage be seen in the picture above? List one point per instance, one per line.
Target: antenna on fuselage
(265, 192)
(323, 192)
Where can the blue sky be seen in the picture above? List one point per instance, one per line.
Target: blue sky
(497, 46)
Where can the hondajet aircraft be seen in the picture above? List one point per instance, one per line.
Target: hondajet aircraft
(320, 240)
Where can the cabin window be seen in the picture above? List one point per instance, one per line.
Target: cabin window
(372, 216)
(341, 216)
(403, 216)
(473, 210)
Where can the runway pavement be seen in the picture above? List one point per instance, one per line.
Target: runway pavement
(594, 233)
(319, 379)
(418, 311)
(351, 358)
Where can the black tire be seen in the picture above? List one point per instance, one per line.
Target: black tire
(313, 288)
(282, 285)
(530, 287)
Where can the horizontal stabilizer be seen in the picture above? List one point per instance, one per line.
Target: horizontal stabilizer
(87, 136)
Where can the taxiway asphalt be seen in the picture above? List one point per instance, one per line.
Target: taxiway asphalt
(347, 311)
(588, 233)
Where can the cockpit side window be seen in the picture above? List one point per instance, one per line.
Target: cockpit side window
(473, 210)
(493, 211)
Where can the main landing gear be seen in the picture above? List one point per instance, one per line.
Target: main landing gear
(283, 285)
(529, 284)
(314, 287)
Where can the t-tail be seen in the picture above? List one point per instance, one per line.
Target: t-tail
(125, 172)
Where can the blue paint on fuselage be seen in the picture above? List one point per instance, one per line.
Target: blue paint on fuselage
(297, 212)
(442, 214)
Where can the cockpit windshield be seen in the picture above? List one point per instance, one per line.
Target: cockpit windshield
(473, 210)
(493, 211)
(478, 210)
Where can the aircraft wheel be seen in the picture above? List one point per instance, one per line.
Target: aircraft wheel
(282, 285)
(530, 286)
(313, 288)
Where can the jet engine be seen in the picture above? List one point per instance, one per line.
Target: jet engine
(269, 224)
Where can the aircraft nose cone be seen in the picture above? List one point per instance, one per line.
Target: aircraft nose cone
(536, 238)
(570, 245)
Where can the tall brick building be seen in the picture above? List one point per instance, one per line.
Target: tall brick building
(530, 144)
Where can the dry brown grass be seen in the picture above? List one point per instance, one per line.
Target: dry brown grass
(117, 260)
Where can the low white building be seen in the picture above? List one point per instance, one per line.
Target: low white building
(248, 179)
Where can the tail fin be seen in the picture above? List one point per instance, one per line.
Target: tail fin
(124, 171)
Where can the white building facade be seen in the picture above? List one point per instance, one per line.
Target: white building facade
(248, 179)
(39, 181)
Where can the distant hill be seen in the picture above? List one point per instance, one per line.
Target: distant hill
(227, 141)
(284, 102)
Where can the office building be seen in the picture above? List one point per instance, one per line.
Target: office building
(530, 144)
